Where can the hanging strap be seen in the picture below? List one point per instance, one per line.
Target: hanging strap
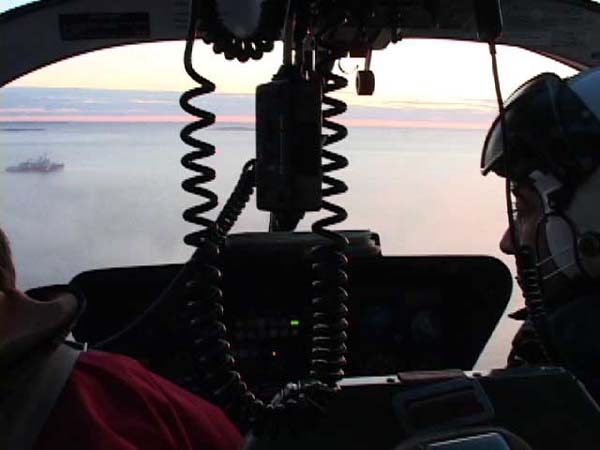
(28, 395)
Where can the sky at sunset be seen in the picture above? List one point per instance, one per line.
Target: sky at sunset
(425, 71)
(40, 104)
(430, 75)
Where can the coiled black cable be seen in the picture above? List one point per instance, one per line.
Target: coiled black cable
(237, 201)
(243, 49)
(203, 150)
(529, 280)
(240, 49)
(201, 319)
(299, 404)
(329, 261)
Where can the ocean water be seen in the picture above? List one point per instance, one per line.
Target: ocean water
(119, 200)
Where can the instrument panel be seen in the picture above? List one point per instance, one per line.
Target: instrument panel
(406, 313)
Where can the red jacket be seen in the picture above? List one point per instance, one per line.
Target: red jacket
(111, 402)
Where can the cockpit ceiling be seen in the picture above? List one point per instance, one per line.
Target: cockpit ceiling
(48, 31)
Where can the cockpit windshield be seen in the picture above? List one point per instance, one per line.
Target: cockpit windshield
(108, 124)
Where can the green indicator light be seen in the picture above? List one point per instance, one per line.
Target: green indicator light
(295, 323)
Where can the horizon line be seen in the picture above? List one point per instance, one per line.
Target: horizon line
(240, 119)
(376, 102)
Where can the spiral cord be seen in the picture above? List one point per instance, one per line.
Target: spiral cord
(300, 404)
(201, 318)
(237, 201)
(529, 279)
(191, 160)
(242, 49)
(329, 261)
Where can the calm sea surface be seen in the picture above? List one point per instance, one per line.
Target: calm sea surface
(119, 201)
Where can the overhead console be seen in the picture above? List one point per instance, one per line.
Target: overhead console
(406, 313)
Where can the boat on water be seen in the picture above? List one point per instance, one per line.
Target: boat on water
(41, 164)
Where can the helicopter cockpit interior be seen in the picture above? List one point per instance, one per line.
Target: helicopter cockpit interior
(315, 338)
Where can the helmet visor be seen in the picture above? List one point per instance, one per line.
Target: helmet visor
(548, 128)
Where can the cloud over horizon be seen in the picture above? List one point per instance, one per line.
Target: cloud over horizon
(20, 104)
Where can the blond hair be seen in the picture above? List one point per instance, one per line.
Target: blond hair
(7, 268)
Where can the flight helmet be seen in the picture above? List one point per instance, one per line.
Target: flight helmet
(552, 131)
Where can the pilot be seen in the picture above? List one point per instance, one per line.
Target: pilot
(552, 129)
(105, 401)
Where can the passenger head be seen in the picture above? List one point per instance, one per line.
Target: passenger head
(7, 268)
(553, 164)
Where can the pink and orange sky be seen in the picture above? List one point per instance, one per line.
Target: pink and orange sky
(426, 75)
